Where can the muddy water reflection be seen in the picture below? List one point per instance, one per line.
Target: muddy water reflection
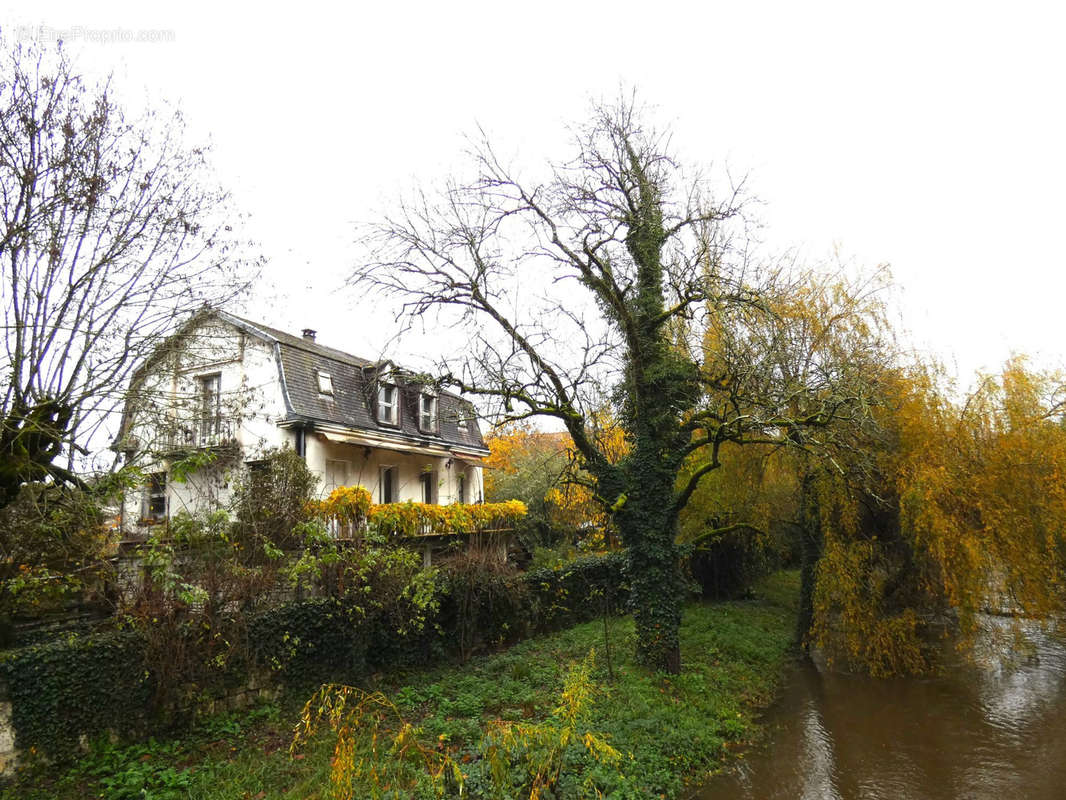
(993, 731)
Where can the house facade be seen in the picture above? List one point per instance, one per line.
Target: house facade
(223, 392)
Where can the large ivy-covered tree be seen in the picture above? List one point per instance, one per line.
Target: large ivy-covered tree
(592, 287)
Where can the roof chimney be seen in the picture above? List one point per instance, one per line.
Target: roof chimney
(309, 334)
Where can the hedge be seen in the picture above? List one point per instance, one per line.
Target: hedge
(74, 686)
(95, 684)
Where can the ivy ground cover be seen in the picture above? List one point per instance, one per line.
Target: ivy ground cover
(671, 729)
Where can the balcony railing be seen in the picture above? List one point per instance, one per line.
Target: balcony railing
(203, 432)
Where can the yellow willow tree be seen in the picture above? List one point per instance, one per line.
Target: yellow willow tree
(742, 519)
(970, 513)
(806, 365)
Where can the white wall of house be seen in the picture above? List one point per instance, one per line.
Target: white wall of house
(171, 412)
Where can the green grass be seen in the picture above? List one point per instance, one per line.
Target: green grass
(672, 728)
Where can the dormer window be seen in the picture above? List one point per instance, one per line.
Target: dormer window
(427, 413)
(325, 383)
(461, 423)
(388, 404)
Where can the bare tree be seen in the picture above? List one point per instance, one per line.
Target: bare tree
(598, 285)
(110, 230)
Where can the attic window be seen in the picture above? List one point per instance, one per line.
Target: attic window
(461, 423)
(427, 413)
(388, 402)
(325, 383)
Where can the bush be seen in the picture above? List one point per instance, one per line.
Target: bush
(482, 602)
(579, 591)
(274, 501)
(55, 544)
(309, 641)
(730, 566)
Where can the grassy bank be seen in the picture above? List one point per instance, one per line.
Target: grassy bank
(670, 727)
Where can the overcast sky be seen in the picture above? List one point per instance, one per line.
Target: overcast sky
(929, 136)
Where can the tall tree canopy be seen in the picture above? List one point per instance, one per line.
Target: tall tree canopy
(594, 287)
(110, 229)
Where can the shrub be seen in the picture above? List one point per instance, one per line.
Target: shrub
(483, 603)
(55, 544)
(731, 564)
(578, 591)
(381, 610)
(414, 519)
(274, 500)
(378, 753)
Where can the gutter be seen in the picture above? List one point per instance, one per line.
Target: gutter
(339, 433)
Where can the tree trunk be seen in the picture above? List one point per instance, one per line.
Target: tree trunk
(657, 588)
(657, 618)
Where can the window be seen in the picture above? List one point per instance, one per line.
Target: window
(210, 408)
(387, 485)
(154, 508)
(429, 484)
(336, 474)
(427, 413)
(460, 489)
(325, 383)
(388, 404)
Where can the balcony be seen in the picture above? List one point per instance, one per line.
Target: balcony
(202, 433)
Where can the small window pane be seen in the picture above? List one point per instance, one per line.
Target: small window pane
(325, 383)
(429, 483)
(210, 409)
(336, 474)
(155, 501)
(428, 413)
(387, 404)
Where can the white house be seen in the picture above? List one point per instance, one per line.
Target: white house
(232, 390)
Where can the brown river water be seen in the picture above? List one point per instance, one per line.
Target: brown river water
(994, 730)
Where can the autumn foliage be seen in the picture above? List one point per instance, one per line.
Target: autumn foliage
(352, 506)
(968, 515)
(544, 470)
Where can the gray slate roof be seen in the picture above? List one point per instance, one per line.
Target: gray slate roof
(354, 392)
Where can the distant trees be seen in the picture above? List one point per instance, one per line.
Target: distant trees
(543, 470)
(594, 287)
(526, 464)
(110, 229)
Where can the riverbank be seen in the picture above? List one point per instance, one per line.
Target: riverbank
(673, 729)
